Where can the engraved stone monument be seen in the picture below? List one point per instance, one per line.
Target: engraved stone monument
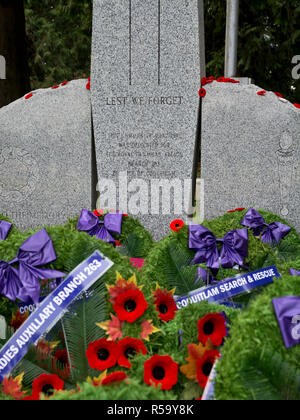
(147, 61)
(250, 152)
(45, 156)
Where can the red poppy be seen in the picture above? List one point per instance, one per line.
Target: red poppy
(30, 95)
(239, 209)
(278, 94)
(128, 348)
(176, 225)
(297, 105)
(102, 354)
(202, 93)
(55, 87)
(118, 243)
(262, 93)
(130, 305)
(221, 80)
(113, 378)
(88, 86)
(212, 327)
(46, 384)
(165, 305)
(161, 370)
(205, 366)
(98, 213)
(64, 83)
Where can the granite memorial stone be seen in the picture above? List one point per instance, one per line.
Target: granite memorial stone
(250, 152)
(45, 156)
(146, 75)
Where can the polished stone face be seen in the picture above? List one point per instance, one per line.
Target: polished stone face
(250, 152)
(45, 156)
(145, 83)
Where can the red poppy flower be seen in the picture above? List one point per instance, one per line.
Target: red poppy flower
(30, 95)
(98, 213)
(297, 105)
(278, 94)
(118, 243)
(64, 83)
(202, 93)
(130, 305)
(176, 225)
(262, 93)
(205, 366)
(114, 378)
(102, 354)
(165, 305)
(128, 348)
(212, 327)
(46, 384)
(161, 370)
(88, 86)
(221, 80)
(55, 87)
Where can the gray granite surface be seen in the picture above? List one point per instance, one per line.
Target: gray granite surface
(145, 83)
(45, 156)
(250, 151)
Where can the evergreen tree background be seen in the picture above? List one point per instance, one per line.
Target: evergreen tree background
(59, 41)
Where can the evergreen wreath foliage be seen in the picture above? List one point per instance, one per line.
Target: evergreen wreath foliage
(167, 256)
(255, 363)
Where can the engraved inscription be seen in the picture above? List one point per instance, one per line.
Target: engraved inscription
(19, 174)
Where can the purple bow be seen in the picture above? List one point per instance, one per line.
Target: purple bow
(90, 223)
(271, 233)
(4, 229)
(294, 273)
(24, 283)
(287, 311)
(234, 249)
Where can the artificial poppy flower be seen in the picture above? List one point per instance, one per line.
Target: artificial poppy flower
(212, 327)
(114, 378)
(176, 225)
(221, 80)
(128, 348)
(98, 213)
(297, 106)
(64, 83)
(262, 93)
(30, 95)
(47, 385)
(202, 93)
(102, 354)
(130, 305)
(278, 94)
(161, 370)
(88, 86)
(205, 366)
(164, 303)
(55, 87)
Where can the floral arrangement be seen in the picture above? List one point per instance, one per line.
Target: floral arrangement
(126, 338)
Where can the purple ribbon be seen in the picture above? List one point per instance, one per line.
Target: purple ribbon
(287, 310)
(234, 247)
(90, 223)
(24, 283)
(4, 229)
(294, 273)
(204, 276)
(270, 233)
